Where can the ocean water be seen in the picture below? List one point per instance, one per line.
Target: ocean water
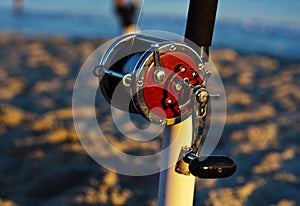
(269, 27)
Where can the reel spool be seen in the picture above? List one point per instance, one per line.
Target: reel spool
(150, 71)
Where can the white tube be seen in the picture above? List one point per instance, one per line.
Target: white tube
(176, 189)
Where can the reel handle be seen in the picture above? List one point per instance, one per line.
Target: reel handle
(212, 167)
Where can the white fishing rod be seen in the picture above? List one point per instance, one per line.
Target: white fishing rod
(165, 79)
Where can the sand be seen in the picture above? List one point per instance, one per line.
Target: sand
(43, 163)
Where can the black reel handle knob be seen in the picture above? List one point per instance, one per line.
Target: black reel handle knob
(212, 167)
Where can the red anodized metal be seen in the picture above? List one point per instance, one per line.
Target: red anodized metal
(164, 98)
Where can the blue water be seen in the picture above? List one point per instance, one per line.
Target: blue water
(271, 27)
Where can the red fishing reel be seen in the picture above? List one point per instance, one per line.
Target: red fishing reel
(164, 81)
(151, 73)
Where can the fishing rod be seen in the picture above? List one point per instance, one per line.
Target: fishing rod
(165, 80)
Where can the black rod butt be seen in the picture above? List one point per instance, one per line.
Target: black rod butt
(201, 21)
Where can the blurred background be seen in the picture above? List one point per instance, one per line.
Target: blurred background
(256, 47)
(265, 26)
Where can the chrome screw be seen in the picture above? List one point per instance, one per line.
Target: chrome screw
(195, 74)
(159, 75)
(178, 86)
(183, 70)
(169, 101)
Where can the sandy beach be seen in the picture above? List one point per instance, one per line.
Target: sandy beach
(43, 163)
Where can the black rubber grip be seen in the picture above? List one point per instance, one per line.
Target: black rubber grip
(213, 167)
(201, 21)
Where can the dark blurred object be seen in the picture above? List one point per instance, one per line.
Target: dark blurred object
(18, 6)
(126, 11)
